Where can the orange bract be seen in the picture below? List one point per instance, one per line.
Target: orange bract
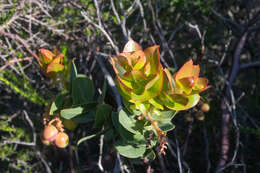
(51, 63)
(188, 80)
(141, 79)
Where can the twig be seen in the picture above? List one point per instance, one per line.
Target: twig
(99, 26)
(158, 29)
(178, 153)
(17, 142)
(31, 124)
(15, 60)
(250, 65)
(16, 37)
(170, 142)
(111, 83)
(118, 164)
(101, 140)
(48, 169)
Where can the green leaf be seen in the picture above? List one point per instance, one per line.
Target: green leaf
(91, 136)
(130, 150)
(73, 73)
(82, 90)
(163, 115)
(179, 102)
(102, 115)
(125, 134)
(166, 126)
(84, 118)
(71, 112)
(157, 103)
(127, 122)
(57, 104)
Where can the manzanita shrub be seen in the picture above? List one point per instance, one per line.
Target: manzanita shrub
(152, 96)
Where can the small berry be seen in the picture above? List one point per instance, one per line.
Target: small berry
(62, 140)
(50, 133)
(205, 107)
(200, 116)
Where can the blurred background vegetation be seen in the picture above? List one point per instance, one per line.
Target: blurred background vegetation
(222, 36)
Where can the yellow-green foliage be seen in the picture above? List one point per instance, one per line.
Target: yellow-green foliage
(22, 86)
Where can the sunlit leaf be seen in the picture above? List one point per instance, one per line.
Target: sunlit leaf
(125, 134)
(131, 46)
(156, 102)
(138, 60)
(152, 89)
(153, 56)
(46, 56)
(185, 71)
(130, 150)
(54, 68)
(128, 123)
(71, 112)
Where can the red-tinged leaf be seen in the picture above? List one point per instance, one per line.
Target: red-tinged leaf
(152, 89)
(126, 82)
(147, 69)
(46, 56)
(138, 60)
(201, 85)
(134, 80)
(187, 84)
(153, 56)
(138, 76)
(60, 56)
(179, 102)
(151, 83)
(170, 81)
(54, 68)
(57, 60)
(124, 91)
(185, 71)
(131, 46)
(196, 71)
(120, 63)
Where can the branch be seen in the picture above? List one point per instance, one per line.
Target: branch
(250, 65)
(84, 14)
(23, 42)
